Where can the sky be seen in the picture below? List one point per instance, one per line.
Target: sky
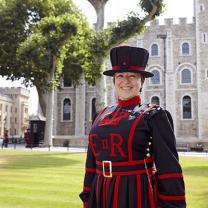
(117, 9)
(114, 10)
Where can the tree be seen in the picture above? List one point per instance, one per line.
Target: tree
(118, 33)
(36, 42)
(43, 38)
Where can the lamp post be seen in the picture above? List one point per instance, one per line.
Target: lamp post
(164, 37)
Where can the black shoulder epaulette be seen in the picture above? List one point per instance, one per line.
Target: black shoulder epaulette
(152, 110)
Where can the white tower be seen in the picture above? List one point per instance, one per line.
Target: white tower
(201, 15)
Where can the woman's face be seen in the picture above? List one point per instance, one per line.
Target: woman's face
(127, 85)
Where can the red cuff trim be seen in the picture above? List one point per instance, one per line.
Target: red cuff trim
(85, 205)
(171, 198)
(91, 170)
(170, 175)
(87, 188)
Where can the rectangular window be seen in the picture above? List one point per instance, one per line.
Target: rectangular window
(205, 38)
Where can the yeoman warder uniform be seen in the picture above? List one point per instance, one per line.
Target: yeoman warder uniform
(132, 160)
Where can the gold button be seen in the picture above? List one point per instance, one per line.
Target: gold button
(148, 154)
(148, 149)
(150, 143)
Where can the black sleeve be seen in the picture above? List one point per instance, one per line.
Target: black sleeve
(169, 173)
(90, 168)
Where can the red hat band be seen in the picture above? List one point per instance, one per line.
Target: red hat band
(136, 68)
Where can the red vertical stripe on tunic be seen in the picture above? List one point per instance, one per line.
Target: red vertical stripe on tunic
(104, 193)
(116, 188)
(131, 136)
(139, 193)
(107, 187)
(97, 187)
(151, 196)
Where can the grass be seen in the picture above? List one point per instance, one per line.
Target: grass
(30, 179)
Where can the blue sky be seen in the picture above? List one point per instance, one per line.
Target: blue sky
(113, 12)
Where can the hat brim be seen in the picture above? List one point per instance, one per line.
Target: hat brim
(112, 72)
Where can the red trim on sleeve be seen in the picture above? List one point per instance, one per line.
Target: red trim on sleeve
(91, 170)
(87, 188)
(171, 198)
(170, 175)
(85, 205)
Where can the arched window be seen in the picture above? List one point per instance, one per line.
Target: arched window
(66, 109)
(186, 107)
(67, 82)
(156, 78)
(93, 108)
(186, 76)
(155, 100)
(185, 49)
(154, 50)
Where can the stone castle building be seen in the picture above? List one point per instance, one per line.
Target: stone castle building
(14, 115)
(179, 61)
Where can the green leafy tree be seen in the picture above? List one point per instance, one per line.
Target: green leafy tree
(39, 41)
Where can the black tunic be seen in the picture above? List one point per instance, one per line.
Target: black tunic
(126, 143)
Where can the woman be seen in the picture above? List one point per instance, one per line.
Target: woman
(128, 141)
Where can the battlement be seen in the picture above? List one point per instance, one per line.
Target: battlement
(172, 21)
(14, 91)
(182, 20)
(168, 21)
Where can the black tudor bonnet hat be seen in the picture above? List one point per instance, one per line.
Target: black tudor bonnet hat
(128, 59)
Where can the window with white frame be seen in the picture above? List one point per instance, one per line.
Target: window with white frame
(186, 102)
(155, 100)
(66, 109)
(205, 38)
(156, 78)
(185, 48)
(185, 76)
(93, 108)
(154, 50)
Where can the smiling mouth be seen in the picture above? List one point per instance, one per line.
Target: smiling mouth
(126, 88)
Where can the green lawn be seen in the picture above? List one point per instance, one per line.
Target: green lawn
(31, 179)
